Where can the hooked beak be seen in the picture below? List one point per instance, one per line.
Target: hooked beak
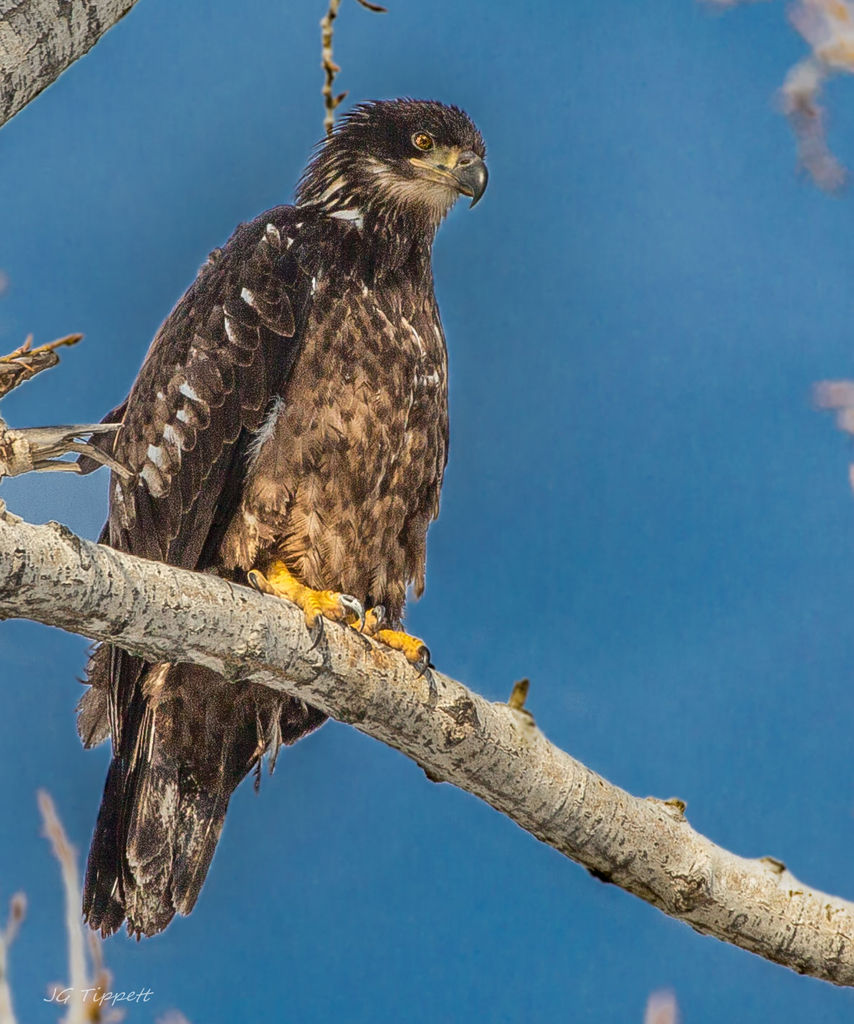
(471, 175)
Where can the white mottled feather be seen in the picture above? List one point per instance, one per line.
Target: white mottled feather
(264, 432)
(171, 435)
(155, 453)
(355, 217)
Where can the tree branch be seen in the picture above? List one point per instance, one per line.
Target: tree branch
(491, 750)
(39, 39)
(40, 449)
(25, 362)
(327, 62)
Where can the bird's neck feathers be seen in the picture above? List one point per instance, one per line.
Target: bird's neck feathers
(396, 222)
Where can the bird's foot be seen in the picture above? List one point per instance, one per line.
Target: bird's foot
(316, 605)
(416, 651)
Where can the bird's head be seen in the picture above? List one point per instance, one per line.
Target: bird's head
(404, 160)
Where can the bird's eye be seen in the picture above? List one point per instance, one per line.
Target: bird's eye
(422, 141)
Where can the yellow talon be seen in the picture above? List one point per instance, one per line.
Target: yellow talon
(317, 605)
(416, 651)
(374, 618)
(280, 582)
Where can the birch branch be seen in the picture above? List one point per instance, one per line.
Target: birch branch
(493, 751)
(39, 39)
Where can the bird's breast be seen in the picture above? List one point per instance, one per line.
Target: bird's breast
(344, 475)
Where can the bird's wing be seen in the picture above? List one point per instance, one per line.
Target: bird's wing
(222, 355)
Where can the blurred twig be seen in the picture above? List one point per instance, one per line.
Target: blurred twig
(87, 997)
(828, 28)
(838, 396)
(661, 1008)
(330, 68)
(17, 912)
(81, 980)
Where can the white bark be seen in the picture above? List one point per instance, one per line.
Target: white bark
(39, 39)
(40, 449)
(643, 845)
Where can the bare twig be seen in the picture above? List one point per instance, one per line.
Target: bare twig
(17, 913)
(496, 753)
(25, 362)
(519, 695)
(330, 68)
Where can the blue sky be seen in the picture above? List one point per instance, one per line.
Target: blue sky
(642, 512)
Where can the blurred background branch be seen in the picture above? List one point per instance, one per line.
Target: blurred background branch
(87, 997)
(17, 913)
(828, 27)
(83, 977)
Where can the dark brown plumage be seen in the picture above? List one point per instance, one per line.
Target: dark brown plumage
(292, 410)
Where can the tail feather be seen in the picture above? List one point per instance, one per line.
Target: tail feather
(164, 803)
(102, 904)
(203, 816)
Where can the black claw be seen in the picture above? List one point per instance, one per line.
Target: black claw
(427, 673)
(424, 663)
(316, 632)
(363, 637)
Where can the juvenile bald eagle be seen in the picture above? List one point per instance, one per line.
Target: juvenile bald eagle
(289, 427)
